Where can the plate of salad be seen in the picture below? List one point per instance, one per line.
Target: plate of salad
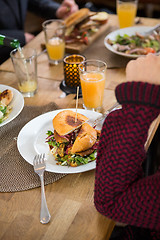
(10, 111)
(130, 42)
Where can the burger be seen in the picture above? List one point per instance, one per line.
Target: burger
(82, 24)
(74, 142)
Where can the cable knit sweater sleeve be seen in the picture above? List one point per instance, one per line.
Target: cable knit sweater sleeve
(121, 191)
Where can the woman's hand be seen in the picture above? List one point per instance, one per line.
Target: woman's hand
(144, 69)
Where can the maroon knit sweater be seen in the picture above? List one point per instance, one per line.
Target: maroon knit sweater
(121, 191)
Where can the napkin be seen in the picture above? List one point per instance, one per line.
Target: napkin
(15, 173)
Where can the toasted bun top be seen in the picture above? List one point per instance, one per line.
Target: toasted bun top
(86, 138)
(64, 121)
(77, 17)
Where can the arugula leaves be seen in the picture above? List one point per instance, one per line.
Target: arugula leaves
(68, 158)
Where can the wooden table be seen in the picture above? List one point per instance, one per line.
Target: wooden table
(70, 200)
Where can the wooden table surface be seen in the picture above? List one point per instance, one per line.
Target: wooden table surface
(70, 200)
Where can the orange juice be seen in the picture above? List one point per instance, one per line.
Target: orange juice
(126, 13)
(93, 84)
(28, 86)
(55, 48)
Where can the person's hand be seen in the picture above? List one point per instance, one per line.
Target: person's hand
(28, 37)
(144, 69)
(67, 8)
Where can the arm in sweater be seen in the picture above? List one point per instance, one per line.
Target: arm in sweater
(121, 191)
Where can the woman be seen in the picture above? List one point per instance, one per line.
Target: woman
(122, 193)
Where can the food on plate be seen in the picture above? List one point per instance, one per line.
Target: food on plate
(136, 44)
(74, 142)
(64, 121)
(82, 24)
(5, 98)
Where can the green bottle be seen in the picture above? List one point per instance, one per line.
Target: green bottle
(9, 42)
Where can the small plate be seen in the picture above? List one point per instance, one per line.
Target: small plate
(32, 137)
(17, 104)
(130, 31)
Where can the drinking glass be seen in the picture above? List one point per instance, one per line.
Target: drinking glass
(93, 77)
(54, 31)
(126, 11)
(25, 65)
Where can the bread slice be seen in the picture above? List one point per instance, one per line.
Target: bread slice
(65, 121)
(77, 17)
(86, 138)
(6, 97)
(100, 17)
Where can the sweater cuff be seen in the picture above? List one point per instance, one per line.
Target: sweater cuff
(138, 93)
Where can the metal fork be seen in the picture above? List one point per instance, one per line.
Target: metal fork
(39, 168)
(104, 115)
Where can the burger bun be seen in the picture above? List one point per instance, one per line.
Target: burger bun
(77, 17)
(86, 138)
(67, 121)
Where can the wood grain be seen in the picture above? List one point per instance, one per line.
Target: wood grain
(70, 200)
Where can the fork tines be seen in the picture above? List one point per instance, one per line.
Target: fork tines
(39, 159)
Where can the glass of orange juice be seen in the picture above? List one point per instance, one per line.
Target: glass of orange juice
(126, 11)
(54, 31)
(93, 77)
(25, 65)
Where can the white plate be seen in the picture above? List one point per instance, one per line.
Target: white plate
(130, 31)
(31, 141)
(17, 104)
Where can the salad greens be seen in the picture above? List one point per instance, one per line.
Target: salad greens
(62, 154)
(4, 111)
(136, 44)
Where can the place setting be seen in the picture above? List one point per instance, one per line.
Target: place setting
(83, 77)
(31, 143)
(90, 80)
(62, 87)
